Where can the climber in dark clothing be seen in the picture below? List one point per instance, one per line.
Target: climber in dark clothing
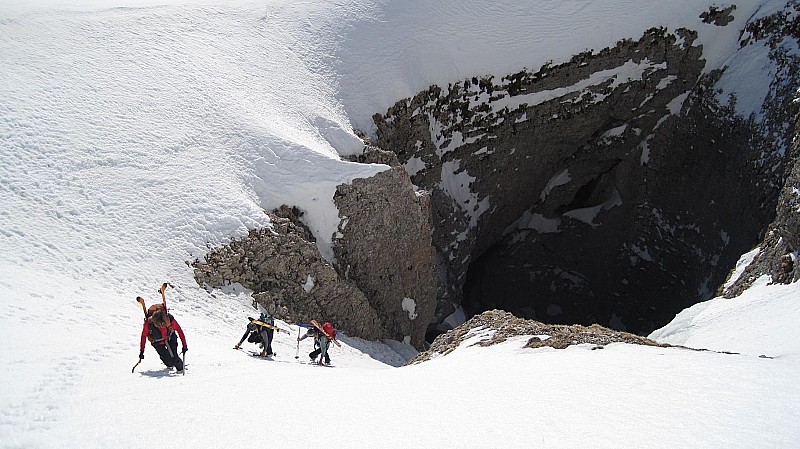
(258, 333)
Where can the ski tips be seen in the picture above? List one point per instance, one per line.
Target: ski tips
(164, 287)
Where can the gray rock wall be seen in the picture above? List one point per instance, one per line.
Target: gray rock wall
(384, 246)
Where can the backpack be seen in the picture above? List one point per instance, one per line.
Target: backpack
(328, 328)
(154, 335)
(155, 308)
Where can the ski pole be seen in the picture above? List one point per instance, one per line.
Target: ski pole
(134, 366)
(184, 364)
(297, 353)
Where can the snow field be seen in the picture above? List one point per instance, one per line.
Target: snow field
(136, 134)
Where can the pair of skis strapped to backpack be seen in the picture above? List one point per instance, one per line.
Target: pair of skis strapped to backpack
(161, 290)
(269, 326)
(150, 311)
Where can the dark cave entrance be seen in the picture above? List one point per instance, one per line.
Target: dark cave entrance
(609, 275)
(665, 236)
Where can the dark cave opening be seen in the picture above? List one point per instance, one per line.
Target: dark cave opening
(539, 283)
(663, 237)
(606, 275)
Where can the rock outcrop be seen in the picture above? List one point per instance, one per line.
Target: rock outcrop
(290, 278)
(381, 284)
(497, 326)
(384, 247)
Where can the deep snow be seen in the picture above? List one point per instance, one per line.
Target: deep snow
(134, 134)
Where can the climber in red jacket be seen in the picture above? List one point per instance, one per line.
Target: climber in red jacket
(160, 328)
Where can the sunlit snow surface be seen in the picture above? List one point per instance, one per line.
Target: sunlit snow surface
(134, 135)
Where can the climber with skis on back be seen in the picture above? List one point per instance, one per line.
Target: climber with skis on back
(162, 330)
(260, 331)
(323, 335)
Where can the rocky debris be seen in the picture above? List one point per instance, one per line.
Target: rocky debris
(499, 326)
(289, 277)
(384, 247)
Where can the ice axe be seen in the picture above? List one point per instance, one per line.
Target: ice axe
(184, 361)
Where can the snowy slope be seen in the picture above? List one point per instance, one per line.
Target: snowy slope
(134, 134)
(761, 321)
(71, 382)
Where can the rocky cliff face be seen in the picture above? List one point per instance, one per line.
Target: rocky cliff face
(617, 188)
(613, 189)
(380, 285)
(289, 277)
(778, 252)
(384, 247)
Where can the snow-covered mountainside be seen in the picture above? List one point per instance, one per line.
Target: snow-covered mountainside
(136, 136)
